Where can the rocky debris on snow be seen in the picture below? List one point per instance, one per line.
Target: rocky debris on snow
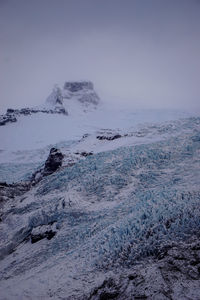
(52, 164)
(84, 153)
(7, 118)
(173, 274)
(12, 114)
(109, 137)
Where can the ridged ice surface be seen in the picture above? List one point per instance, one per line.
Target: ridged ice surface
(107, 210)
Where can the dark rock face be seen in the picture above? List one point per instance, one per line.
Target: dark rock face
(84, 153)
(49, 234)
(109, 138)
(53, 162)
(7, 118)
(75, 86)
(84, 92)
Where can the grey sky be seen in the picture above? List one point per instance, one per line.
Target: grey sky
(144, 52)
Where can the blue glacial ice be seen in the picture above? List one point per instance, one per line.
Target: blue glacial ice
(110, 209)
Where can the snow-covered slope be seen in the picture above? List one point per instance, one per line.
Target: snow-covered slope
(98, 217)
(114, 219)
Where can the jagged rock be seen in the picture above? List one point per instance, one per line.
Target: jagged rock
(7, 118)
(49, 234)
(10, 111)
(53, 162)
(109, 138)
(84, 153)
(83, 91)
(12, 114)
(75, 86)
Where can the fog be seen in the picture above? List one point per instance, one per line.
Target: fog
(143, 53)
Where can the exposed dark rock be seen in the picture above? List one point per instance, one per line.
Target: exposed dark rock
(109, 138)
(7, 118)
(10, 111)
(52, 164)
(2, 184)
(12, 114)
(84, 91)
(75, 86)
(108, 290)
(49, 234)
(84, 153)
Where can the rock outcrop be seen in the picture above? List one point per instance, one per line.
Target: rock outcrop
(12, 114)
(52, 164)
(83, 91)
(75, 86)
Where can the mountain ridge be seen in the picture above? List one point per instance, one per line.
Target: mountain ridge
(59, 102)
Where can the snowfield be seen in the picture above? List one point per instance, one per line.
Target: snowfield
(81, 231)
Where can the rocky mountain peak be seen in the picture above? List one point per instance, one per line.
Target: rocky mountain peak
(80, 92)
(60, 101)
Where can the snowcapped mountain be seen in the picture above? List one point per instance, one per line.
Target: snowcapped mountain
(74, 98)
(99, 203)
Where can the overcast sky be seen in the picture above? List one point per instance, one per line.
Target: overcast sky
(143, 52)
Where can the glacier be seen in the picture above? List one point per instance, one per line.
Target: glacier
(111, 213)
(118, 219)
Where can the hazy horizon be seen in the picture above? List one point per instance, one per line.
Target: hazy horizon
(136, 52)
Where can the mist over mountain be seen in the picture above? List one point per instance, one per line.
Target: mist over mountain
(99, 149)
(139, 53)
